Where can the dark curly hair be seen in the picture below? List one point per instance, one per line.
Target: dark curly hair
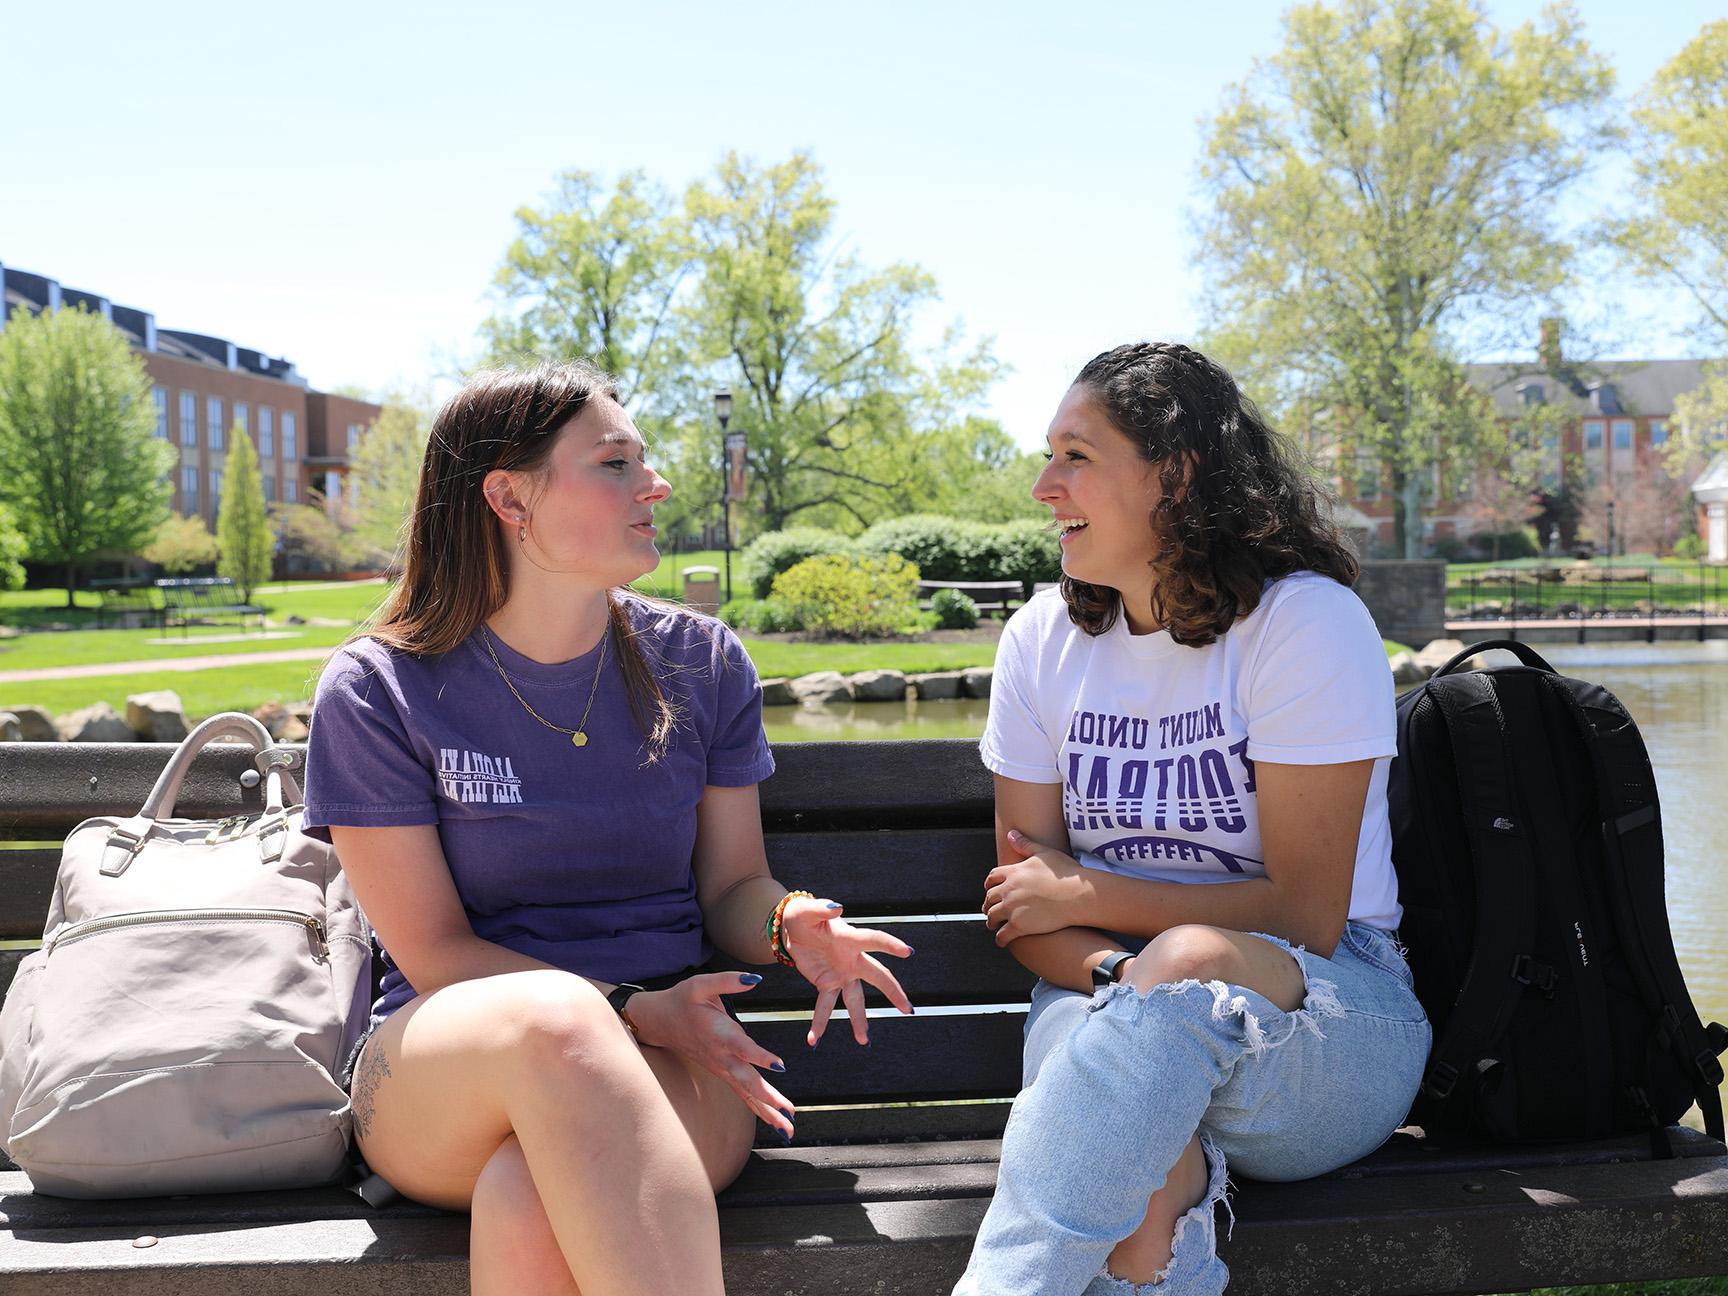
(1236, 508)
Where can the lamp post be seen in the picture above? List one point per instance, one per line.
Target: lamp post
(723, 412)
(1610, 532)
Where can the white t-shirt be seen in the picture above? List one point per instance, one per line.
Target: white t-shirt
(1154, 743)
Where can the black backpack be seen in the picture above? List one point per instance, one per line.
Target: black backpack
(1528, 844)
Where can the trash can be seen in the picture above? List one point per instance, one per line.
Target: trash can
(702, 588)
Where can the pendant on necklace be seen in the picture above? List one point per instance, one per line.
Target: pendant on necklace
(578, 739)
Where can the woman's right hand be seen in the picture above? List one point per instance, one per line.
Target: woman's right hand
(688, 1018)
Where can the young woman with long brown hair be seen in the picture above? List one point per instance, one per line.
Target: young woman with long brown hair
(1190, 741)
(544, 790)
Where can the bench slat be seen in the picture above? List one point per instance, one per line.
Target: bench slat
(938, 871)
(931, 783)
(934, 1056)
(26, 886)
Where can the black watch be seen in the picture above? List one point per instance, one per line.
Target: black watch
(618, 996)
(1104, 974)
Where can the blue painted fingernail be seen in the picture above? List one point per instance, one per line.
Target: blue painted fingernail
(778, 1066)
(750, 978)
(790, 1118)
(783, 1136)
(834, 904)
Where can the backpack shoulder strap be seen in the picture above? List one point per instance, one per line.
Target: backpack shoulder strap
(1504, 871)
(1632, 846)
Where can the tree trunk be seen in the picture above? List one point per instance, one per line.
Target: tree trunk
(71, 585)
(1410, 507)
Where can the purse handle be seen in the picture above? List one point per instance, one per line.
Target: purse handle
(275, 761)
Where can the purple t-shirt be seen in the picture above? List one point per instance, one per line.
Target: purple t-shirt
(577, 856)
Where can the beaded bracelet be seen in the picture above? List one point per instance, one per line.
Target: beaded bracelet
(775, 928)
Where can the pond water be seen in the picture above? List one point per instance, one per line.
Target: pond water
(1677, 692)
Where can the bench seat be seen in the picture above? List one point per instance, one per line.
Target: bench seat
(871, 1199)
(858, 1220)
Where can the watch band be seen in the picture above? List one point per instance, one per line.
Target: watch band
(1104, 974)
(618, 996)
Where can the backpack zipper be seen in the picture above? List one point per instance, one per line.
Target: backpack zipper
(314, 927)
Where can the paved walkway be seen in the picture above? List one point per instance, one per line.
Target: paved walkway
(164, 664)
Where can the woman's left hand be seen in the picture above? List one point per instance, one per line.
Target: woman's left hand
(1034, 895)
(838, 958)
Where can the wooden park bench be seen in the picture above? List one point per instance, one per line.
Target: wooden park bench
(199, 599)
(988, 595)
(127, 602)
(870, 1199)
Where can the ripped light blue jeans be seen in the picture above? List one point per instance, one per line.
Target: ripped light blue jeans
(1118, 1083)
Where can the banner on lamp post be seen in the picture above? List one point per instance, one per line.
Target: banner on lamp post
(736, 467)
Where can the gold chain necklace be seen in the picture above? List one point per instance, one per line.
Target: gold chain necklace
(578, 735)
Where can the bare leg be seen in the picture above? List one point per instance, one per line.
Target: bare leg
(625, 1188)
(511, 1246)
(1201, 954)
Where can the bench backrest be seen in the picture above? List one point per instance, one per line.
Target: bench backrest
(898, 831)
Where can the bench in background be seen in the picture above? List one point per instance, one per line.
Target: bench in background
(871, 1199)
(198, 599)
(989, 596)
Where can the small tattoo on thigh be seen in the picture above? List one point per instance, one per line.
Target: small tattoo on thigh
(374, 1066)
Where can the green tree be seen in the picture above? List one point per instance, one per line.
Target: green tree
(181, 543)
(310, 537)
(85, 473)
(1679, 235)
(1378, 189)
(384, 475)
(242, 526)
(13, 547)
(594, 275)
(844, 416)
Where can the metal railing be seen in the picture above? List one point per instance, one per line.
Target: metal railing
(1619, 594)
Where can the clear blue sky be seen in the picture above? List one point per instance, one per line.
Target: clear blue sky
(335, 183)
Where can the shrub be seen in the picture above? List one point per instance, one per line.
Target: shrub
(954, 611)
(941, 548)
(760, 616)
(1689, 547)
(851, 598)
(769, 555)
(1024, 551)
(952, 549)
(1518, 543)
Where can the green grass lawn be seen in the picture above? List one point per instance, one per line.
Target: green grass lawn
(245, 687)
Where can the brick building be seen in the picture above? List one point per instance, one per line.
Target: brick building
(1615, 416)
(204, 387)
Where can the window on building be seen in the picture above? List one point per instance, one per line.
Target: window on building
(1368, 480)
(269, 488)
(289, 431)
(215, 490)
(291, 490)
(1551, 460)
(1592, 435)
(188, 419)
(213, 420)
(266, 432)
(1622, 434)
(189, 490)
(1658, 432)
(353, 436)
(160, 394)
(243, 416)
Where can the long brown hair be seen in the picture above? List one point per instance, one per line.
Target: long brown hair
(456, 571)
(1235, 507)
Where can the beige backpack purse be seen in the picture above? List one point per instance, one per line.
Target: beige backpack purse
(198, 986)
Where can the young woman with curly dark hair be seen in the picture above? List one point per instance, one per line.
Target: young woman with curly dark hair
(1190, 742)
